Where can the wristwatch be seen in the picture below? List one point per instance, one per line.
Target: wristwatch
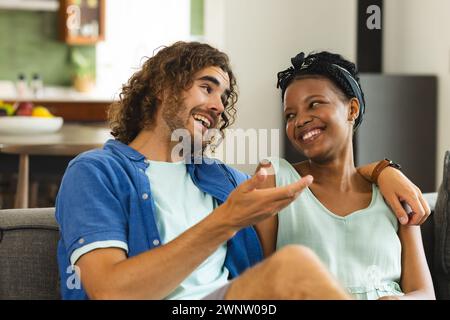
(381, 166)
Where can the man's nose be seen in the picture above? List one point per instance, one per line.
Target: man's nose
(217, 106)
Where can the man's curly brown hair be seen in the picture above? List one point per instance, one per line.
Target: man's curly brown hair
(171, 70)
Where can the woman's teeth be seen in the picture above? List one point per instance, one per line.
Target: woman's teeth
(311, 134)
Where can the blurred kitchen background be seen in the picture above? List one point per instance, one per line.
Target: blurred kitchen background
(74, 55)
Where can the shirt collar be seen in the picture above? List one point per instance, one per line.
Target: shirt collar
(212, 178)
(116, 145)
(206, 173)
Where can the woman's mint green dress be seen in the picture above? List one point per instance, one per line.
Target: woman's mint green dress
(362, 250)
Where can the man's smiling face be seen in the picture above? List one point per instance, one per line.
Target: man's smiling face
(201, 105)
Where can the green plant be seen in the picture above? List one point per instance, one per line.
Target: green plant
(82, 65)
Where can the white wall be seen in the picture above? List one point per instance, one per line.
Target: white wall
(261, 36)
(134, 28)
(417, 41)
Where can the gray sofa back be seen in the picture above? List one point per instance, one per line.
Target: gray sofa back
(28, 265)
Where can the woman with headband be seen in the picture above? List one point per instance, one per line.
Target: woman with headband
(342, 217)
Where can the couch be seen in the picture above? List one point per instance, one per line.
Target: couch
(28, 266)
(28, 242)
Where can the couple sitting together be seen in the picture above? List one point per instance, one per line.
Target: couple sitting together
(138, 223)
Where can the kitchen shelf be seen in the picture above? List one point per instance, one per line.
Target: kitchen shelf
(32, 5)
(82, 22)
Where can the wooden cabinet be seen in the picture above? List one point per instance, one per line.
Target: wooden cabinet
(82, 22)
(78, 111)
(75, 111)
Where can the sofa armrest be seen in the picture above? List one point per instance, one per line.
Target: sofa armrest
(431, 199)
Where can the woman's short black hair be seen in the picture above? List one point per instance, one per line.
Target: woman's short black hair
(341, 72)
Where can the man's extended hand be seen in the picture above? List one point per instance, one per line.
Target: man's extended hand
(397, 188)
(247, 205)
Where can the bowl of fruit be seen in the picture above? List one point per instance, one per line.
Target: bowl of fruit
(26, 118)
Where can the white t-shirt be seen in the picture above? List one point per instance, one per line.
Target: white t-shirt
(179, 205)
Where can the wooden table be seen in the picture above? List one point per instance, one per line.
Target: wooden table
(71, 140)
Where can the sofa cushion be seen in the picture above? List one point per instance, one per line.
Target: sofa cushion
(442, 235)
(28, 265)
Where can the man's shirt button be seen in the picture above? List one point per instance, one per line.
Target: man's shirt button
(145, 196)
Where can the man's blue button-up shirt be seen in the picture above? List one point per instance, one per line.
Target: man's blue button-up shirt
(105, 195)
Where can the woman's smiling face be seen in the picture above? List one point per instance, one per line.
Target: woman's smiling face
(318, 118)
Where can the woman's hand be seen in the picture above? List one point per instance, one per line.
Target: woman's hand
(403, 196)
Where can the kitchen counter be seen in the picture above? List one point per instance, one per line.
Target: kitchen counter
(70, 134)
(65, 102)
(8, 92)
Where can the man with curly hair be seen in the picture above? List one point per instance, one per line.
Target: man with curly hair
(139, 222)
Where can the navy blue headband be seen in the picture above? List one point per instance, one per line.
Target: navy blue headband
(356, 91)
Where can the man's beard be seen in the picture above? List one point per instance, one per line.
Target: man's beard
(172, 116)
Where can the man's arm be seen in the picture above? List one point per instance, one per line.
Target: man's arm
(108, 274)
(396, 188)
(416, 280)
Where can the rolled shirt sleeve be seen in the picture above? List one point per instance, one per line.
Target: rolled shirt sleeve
(77, 253)
(89, 211)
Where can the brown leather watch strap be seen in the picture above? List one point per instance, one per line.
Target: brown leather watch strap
(378, 168)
